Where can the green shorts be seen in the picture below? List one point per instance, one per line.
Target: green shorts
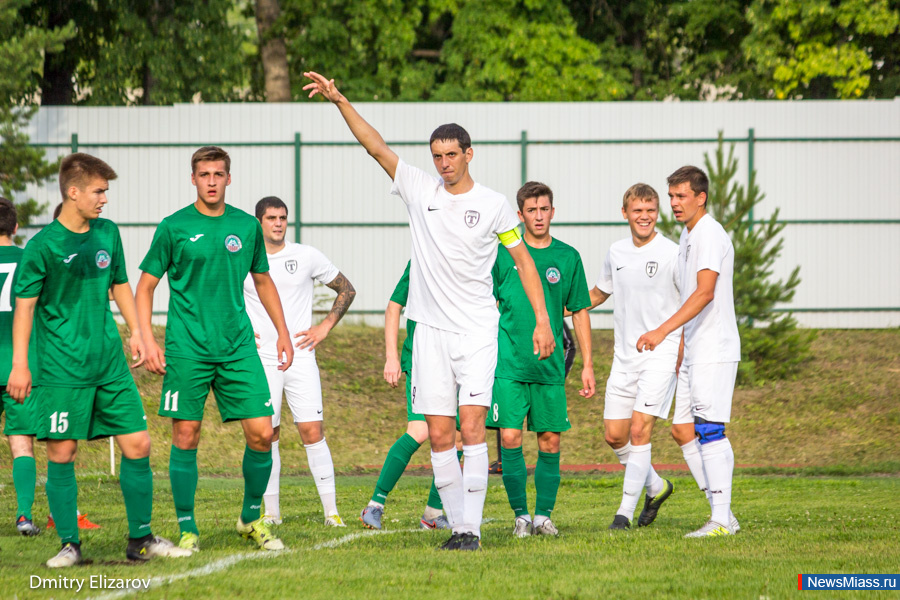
(410, 415)
(89, 413)
(240, 387)
(20, 418)
(544, 405)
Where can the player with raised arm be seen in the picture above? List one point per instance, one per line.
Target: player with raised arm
(295, 268)
(454, 223)
(207, 249)
(641, 271)
(82, 387)
(710, 340)
(523, 386)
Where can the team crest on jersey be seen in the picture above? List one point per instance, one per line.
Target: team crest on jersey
(651, 268)
(472, 217)
(233, 243)
(102, 259)
(553, 275)
(291, 266)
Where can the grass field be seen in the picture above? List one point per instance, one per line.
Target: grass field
(790, 525)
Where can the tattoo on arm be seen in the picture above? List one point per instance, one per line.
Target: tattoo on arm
(345, 295)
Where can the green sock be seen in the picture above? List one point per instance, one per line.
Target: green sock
(514, 476)
(24, 480)
(546, 482)
(257, 468)
(62, 497)
(394, 464)
(136, 481)
(434, 498)
(183, 477)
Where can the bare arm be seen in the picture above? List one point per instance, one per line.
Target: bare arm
(18, 385)
(544, 343)
(598, 297)
(367, 135)
(581, 321)
(696, 302)
(121, 293)
(392, 358)
(268, 295)
(155, 361)
(310, 338)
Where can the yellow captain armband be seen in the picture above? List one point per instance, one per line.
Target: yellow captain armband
(510, 238)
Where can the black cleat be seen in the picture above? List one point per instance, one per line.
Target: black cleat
(469, 541)
(651, 505)
(453, 543)
(620, 522)
(496, 468)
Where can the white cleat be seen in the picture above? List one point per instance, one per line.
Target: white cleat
(153, 547)
(733, 523)
(523, 527)
(546, 528)
(68, 556)
(711, 529)
(334, 521)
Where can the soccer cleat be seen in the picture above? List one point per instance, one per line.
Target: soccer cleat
(620, 522)
(68, 556)
(271, 520)
(523, 527)
(441, 522)
(83, 523)
(469, 542)
(652, 504)
(546, 528)
(371, 516)
(189, 541)
(733, 523)
(453, 542)
(334, 521)
(150, 546)
(27, 527)
(711, 529)
(259, 532)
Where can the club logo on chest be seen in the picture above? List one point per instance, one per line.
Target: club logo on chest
(472, 217)
(553, 275)
(651, 268)
(233, 243)
(102, 259)
(291, 266)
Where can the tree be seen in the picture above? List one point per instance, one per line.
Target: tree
(772, 347)
(272, 52)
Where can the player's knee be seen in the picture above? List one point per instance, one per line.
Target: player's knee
(511, 438)
(707, 431)
(614, 439)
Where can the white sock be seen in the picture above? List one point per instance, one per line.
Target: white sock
(378, 504)
(271, 495)
(622, 453)
(539, 520)
(475, 479)
(718, 463)
(322, 468)
(694, 461)
(635, 477)
(448, 479)
(431, 513)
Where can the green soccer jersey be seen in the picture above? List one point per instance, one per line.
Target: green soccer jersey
(70, 274)
(400, 296)
(207, 260)
(562, 275)
(10, 258)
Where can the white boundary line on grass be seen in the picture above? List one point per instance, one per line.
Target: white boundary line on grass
(229, 561)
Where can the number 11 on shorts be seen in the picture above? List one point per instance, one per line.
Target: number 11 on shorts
(171, 401)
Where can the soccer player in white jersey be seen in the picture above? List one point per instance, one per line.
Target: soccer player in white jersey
(454, 224)
(295, 268)
(710, 340)
(641, 271)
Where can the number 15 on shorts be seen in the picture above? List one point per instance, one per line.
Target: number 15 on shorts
(171, 401)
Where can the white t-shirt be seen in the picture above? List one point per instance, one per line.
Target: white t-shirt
(294, 269)
(644, 281)
(454, 246)
(712, 336)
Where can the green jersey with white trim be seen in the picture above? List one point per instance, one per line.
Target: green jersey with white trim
(207, 259)
(400, 296)
(10, 258)
(562, 275)
(70, 274)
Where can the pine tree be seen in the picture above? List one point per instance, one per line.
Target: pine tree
(772, 346)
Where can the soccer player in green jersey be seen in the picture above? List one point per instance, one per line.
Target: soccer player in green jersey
(82, 386)
(207, 249)
(523, 386)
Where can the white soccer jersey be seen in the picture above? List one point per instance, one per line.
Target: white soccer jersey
(644, 281)
(454, 246)
(712, 336)
(294, 269)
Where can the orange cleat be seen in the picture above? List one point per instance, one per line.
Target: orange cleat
(83, 523)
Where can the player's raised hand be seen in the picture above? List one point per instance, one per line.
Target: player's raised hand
(321, 85)
(544, 342)
(18, 386)
(155, 360)
(392, 371)
(650, 340)
(138, 350)
(588, 383)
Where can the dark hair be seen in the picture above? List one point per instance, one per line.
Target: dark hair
(642, 191)
(8, 217)
(693, 175)
(76, 169)
(57, 210)
(210, 153)
(533, 189)
(269, 202)
(452, 132)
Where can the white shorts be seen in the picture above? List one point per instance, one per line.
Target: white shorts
(648, 392)
(705, 390)
(451, 370)
(302, 388)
